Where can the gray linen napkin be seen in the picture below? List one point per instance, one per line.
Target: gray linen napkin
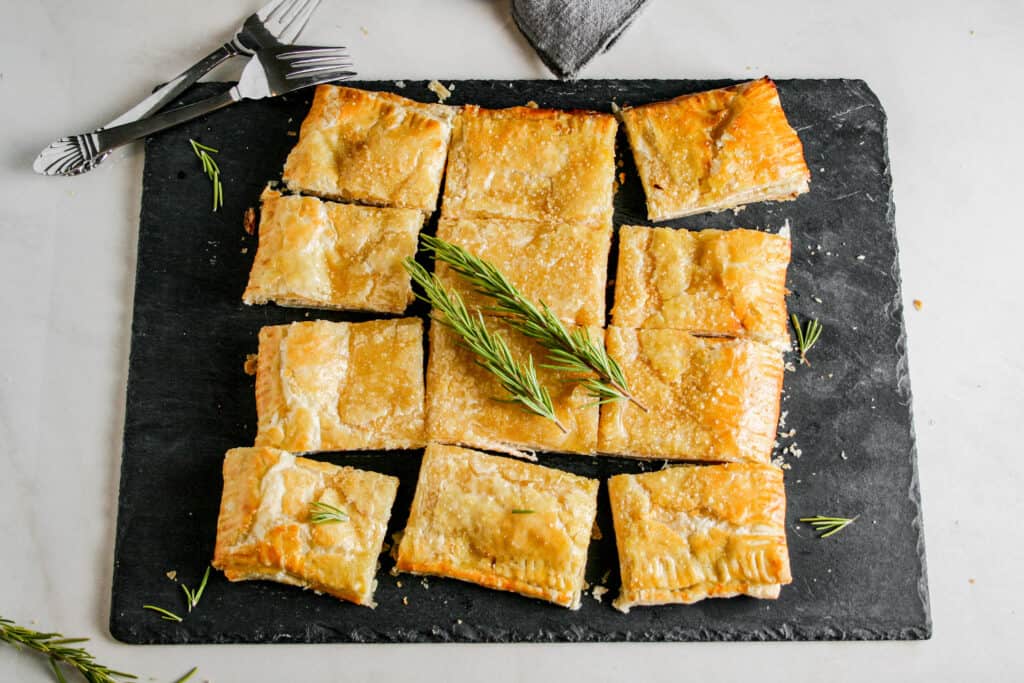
(568, 33)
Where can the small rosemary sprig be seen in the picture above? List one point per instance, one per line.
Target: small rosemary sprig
(573, 352)
(211, 169)
(187, 675)
(165, 614)
(492, 351)
(806, 336)
(192, 597)
(57, 648)
(322, 513)
(829, 525)
(522, 511)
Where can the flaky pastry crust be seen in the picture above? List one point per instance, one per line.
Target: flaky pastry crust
(710, 282)
(371, 147)
(317, 254)
(264, 529)
(500, 523)
(324, 386)
(715, 150)
(707, 399)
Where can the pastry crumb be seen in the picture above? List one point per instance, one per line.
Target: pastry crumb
(860, 257)
(790, 367)
(250, 363)
(458, 621)
(291, 133)
(842, 454)
(442, 92)
(532, 105)
(249, 221)
(970, 581)
(817, 299)
(398, 583)
(405, 600)
(244, 250)
(622, 178)
(785, 229)
(918, 304)
(399, 84)
(616, 109)
(172, 575)
(598, 592)
(425, 583)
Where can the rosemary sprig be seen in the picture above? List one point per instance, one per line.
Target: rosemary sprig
(187, 675)
(211, 169)
(830, 525)
(573, 352)
(57, 648)
(165, 614)
(522, 511)
(806, 336)
(322, 513)
(192, 597)
(492, 351)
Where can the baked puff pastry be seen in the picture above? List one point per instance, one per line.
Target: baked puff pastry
(533, 164)
(711, 282)
(706, 399)
(715, 150)
(265, 530)
(694, 532)
(371, 147)
(500, 523)
(564, 265)
(324, 386)
(467, 406)
(318, 254)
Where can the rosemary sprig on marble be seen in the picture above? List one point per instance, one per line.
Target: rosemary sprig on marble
(829, 525)
(211, 169)
(187, 675)
(807, 335)
(322, 513)
(492, 353)
(59, 651)
(573, 352)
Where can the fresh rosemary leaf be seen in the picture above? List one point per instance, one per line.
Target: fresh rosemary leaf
(522, 511)
(807, 335)
(211, 169)
(573, 352)
(828, 525)
(167, 615)
(493, 354)
(56, 648)
(192, 597)
(188, 675)
(322, 513)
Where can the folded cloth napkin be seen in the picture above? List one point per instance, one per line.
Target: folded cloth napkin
(568, 33)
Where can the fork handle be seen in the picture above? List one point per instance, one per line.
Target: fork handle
(109, 138)
(174, 87)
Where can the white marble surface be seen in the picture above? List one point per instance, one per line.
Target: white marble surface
(947, 73)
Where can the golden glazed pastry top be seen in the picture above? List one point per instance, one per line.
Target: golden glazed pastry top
(707, 399)
(527, 163)
(715, 150)
(323, 386)
(501, 523)
(564, 265)
(371, 147)
(264, 530)
(718, 282)
(466, 405)
(694, 532)
(320, 254)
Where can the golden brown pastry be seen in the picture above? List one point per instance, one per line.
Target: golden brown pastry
(707, 399)
(565, 265)
(265, 531)
(467, 406)
(715, 150)
(371, 147)
(500, 523)
(710, 282)
(317, 254)
(694, 532)
(527, 163)
(323, 386)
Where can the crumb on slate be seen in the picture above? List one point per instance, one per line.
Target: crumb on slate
(399, 84)
(172, 575)
(291, 133)
(249, 220)
(442, 92)
(599, 592)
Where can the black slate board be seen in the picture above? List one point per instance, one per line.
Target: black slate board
(188, 401)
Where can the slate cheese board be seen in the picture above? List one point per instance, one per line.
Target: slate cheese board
(847, 442)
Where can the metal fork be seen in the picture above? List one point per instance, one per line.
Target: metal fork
(271, 72)
(279, 22)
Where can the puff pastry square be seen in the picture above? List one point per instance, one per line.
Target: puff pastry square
(324, 386)
(467, 406)
(500, 523)
(318, 254)
(565, 265)
(707, 399)
(710, 282)
(716, 150)
(264, 529)
(528, 163)
(689, 533)
(371, 147)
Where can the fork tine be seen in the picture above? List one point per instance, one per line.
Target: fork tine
(327, 77)
(312, 71)
(315, 61)
(291, 32)
(302, 52)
